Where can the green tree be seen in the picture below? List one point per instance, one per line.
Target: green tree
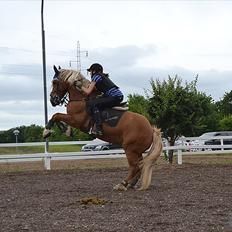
(178, 109)
(7, 136)
(33, 133)
(139, 104)
(58, 135)
(225, 105)
(211, 121)
(226, 123)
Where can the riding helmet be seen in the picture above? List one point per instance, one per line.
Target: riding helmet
(95, 67)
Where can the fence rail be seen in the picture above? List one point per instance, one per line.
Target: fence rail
(34, 144)
(184, 149)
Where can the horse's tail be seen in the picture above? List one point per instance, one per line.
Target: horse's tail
(153, 154)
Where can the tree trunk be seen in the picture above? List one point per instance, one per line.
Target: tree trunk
(170, 156)
(170, 152)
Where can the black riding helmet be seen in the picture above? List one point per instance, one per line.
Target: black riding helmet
(95, 67)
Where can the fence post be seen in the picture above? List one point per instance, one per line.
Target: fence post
(47, 161)
(222, 143)
(179, 156)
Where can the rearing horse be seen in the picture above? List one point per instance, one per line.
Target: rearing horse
(133, 131)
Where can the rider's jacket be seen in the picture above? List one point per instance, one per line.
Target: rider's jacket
(106, 86)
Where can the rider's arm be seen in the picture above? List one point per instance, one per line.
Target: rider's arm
(90, 88)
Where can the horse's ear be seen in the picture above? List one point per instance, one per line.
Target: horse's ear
(55, 69)
(59, 67)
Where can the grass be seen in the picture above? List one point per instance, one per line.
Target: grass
(39, 149)
(220, 159)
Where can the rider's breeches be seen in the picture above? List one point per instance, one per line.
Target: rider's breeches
(101, 103)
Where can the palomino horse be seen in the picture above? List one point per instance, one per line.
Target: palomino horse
(133, 130)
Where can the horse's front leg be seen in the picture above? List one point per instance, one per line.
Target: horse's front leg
(55, 118)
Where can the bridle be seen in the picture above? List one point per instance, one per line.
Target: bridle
(64, 100)
(55, 99)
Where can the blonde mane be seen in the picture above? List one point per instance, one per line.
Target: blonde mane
(72, 76)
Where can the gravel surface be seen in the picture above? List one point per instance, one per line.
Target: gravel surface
(181, 198)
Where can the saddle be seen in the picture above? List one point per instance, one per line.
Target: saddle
(110, 116)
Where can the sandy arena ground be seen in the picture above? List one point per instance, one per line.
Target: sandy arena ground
(188, 198)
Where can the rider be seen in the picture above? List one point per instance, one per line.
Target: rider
(111, 94)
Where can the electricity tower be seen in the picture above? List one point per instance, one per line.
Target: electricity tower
(78, 60)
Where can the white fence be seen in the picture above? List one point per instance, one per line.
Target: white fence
(193, 146)
(47, 157)
(184, 149)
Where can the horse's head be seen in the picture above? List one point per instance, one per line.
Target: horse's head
(67, 81)
(59, 88)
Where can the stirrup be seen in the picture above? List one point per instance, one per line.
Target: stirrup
(94, 131)
(97, 132)
(98, 129)
(90, 131)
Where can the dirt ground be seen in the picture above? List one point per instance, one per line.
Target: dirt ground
(190, 198)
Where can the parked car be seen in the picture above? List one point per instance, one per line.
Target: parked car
(217, 141)
(99, 145)
(206, 138)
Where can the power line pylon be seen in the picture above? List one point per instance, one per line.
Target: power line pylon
(78, 60)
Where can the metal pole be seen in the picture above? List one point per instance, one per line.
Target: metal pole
(44, 72)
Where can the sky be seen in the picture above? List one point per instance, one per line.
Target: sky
(133, 40)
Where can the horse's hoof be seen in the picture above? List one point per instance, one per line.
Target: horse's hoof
(120, 187)
(46, 133)
(131, 186)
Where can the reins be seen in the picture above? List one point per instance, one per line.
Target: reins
(64, 100)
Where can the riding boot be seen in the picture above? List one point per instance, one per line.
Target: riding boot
(98, 122)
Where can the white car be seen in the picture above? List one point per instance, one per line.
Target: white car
(205, 137)
(211, 138)
(99, 145)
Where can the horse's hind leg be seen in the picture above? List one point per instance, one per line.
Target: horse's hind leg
(134, 180)
(136, 177)
(133, 174)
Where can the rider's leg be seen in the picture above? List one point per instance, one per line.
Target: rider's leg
(94, 112)
(98, 121)
(93, 106)
(101, 103)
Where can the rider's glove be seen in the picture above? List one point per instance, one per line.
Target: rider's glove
(78, 85)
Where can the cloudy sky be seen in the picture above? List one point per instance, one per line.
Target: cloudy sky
(134, 40)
